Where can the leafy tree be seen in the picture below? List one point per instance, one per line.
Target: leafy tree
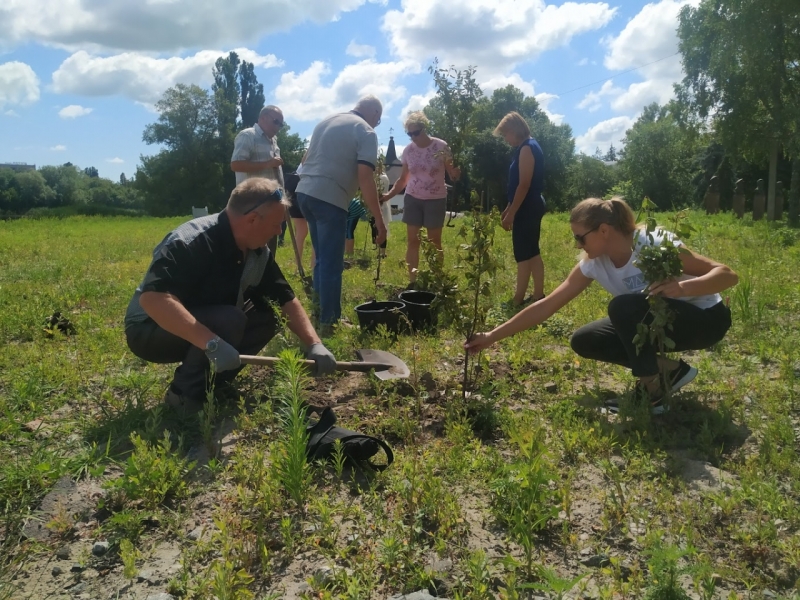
(589, 177)
(9, 194)
(451, 114)
(33, 190)
(226, 104)
(186, 172)
(292, 146)
(611, 155)
(104, 192)
(251, 95)
(187, 120)
(67, 183)
(490, 161)
(91, 172)
(237, 91)
(740, 58)
(656, 160)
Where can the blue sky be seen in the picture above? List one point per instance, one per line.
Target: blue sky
(78, 78)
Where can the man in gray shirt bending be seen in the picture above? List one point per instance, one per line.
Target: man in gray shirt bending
(340, 159)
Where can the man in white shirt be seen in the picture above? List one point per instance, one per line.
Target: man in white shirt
(256, 152)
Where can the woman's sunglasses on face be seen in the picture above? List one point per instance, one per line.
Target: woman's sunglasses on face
(581, 239)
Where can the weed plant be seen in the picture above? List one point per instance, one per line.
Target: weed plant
(154, 475)
(291, 467)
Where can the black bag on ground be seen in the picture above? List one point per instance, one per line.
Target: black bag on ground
(356, 446)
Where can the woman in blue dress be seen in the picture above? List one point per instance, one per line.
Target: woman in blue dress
(526, 207)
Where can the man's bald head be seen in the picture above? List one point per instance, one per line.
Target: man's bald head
(371, 108)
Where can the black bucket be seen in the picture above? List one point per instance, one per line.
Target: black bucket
(418, 308)
(389, 313)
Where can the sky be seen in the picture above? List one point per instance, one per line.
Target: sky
(79, 78)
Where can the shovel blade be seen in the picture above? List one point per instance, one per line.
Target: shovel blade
(397, 369)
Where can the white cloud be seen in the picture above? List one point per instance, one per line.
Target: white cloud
(593, 101)
(116, 160)
(603, 134)
(500, 81)
(58, 148)
(19, 85)
(11, 113)
(360, 50)
(416, 102)
(544, 99)
(140, 77)
(73, 111)
(157, 25)
(648, 37)
(583, 62)
(495, 34)
(306, 96)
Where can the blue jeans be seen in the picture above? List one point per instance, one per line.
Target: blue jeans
(327, 225)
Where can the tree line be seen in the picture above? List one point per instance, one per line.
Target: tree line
(735, 116)
(66, 189)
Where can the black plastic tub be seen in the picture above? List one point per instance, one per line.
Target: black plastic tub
(418, 308)
(389, 313)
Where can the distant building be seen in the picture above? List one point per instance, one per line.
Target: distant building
(393, 170)
(18, 166)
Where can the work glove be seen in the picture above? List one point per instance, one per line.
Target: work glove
(222, 356)
(323, 358)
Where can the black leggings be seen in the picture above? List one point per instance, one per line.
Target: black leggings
(611, 339)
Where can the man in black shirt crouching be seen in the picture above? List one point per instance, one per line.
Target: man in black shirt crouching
(209, 294)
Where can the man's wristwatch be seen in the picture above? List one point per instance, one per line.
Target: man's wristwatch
(212, 344)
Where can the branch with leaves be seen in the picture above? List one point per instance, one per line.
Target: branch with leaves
(465, 307)
(658, 262)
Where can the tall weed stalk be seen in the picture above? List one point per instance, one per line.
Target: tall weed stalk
(291, 467)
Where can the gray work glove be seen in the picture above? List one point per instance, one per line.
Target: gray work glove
(325, 361)
(222, 356)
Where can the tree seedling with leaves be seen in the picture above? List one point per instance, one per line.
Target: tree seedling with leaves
(658, 262)
(464, 307)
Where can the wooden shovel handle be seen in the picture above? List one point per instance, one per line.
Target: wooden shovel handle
(362, 367)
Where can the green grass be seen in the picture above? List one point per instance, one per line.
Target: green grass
(511, 486)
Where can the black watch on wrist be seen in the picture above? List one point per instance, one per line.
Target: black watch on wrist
(212, 344)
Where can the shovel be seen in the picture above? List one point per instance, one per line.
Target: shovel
(385, 364)
(307, 287)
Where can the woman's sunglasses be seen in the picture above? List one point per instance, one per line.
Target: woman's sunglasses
(581, 239)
